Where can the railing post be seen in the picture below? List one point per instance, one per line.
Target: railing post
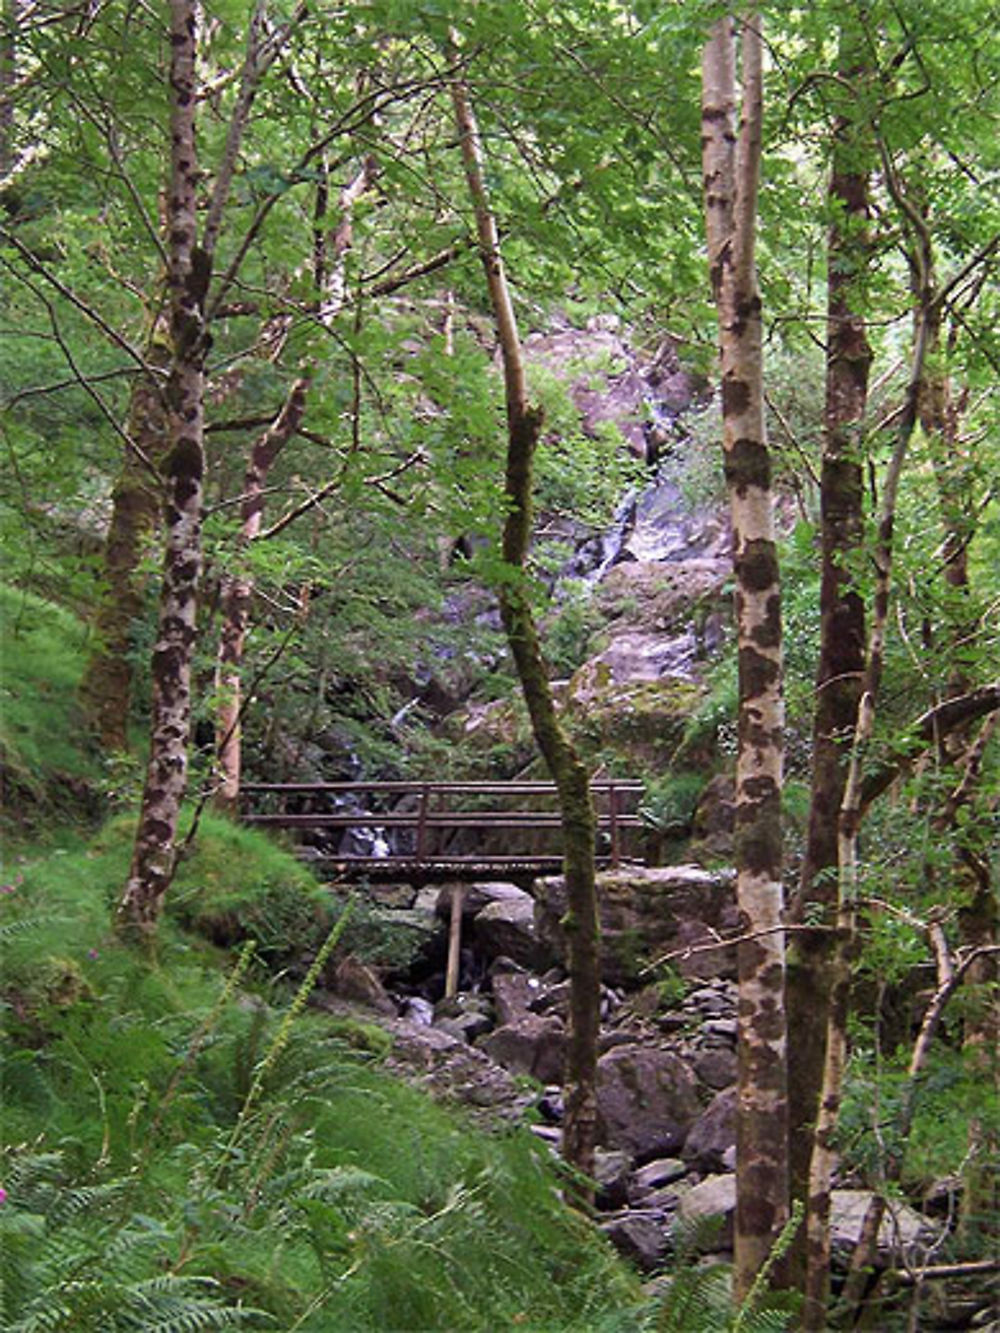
(422, 824)
(613, 819)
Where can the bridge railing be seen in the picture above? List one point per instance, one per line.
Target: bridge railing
(433, 812)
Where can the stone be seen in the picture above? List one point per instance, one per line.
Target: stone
(715, 1196)
(646, 1100)
(716, 1068)
(354, 980)
(532, 1045)
(640, 907)
(901, 1225)
(654, 1176)
(514, 994)
(507, 927)
(477, 896)
(712, 1133)
(641, 1237)
(611, 1173)
(715, 819)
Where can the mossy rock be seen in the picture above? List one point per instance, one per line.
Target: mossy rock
(640, 721)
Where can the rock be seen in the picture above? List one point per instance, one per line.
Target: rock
(507, 927)
(654, 1176)
(531, 1045)
(477, 896)
(646, 1100)
(392, 895)
(715, 1068)
(641, 1237)
(418, 1010)
(712, 1133)
(514, 994)
(901, 1225)
(611, 1172)
(452, 1071)
(354, 980)
(640, 908)
(698, 962)
(715, 819)
(715, 1196)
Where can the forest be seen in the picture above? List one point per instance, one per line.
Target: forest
(572, 394)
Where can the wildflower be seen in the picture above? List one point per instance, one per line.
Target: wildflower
(92, 953)
(3, 1195)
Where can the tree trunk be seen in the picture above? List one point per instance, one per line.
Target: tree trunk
(188, 274)
(237, 592)
(842, 629)
(136, 516)
(564, 765)
(731, 173)
(817, 1285)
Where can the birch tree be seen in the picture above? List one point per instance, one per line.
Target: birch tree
(731, 168)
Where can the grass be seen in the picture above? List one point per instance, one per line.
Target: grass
(344, 1199)
(182, 1145)
(40, 671)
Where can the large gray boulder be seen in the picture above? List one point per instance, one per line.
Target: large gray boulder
(713, 1134)
(530, 1045)
(646, 1100)
(645, 913)
(507, 927)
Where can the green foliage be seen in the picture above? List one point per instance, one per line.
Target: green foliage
(201, 1152)
(669, 801)
(42, 760)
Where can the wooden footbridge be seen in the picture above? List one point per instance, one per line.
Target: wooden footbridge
(426, 831)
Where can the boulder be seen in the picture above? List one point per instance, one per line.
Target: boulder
(354, 980)
(646, 1100)
(713, 1133)
(531, 1045)
(507, 927)
(715, 1196)
(642, 1237)
(612, 1173)
(655, 1175)
(477, 896)
(514, 994)
(641, 909)
(715, 1067)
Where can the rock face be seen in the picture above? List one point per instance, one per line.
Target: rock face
(646, 1100)
(646, 912)
(507, 927)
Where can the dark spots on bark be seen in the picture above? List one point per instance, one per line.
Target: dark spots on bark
(715, 115)
(735, 397)
(186, 460)
(757, 569)
(747, 463)
(758, 841)
(155, 831)
(768, 633)
(747, 312)
(180, 237)
(758, 674)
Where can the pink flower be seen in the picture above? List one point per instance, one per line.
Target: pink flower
(3, 1195)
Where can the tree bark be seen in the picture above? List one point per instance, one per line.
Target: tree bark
(136, 517)
(565, 767)
(731, 164)
(842, 625)
(237, 594)
(817, 1284)
(188, 274)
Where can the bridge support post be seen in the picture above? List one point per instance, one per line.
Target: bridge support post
(454, 941)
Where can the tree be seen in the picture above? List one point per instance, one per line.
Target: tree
(567, 770)
(731, 175)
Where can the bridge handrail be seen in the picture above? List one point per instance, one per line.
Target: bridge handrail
(611, 817)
